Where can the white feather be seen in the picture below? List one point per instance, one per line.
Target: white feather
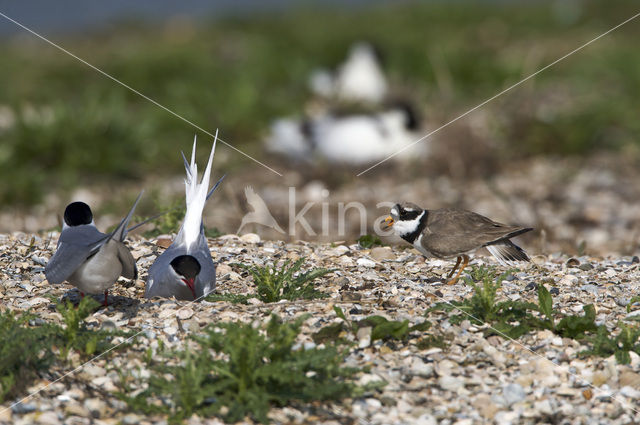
(405, 227)
(196, 197)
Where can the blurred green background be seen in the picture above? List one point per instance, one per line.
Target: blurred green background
(62, 124)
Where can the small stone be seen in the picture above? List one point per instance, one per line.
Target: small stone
(350, 296)
(585, 267)
(382, 253)
(629, 378)
(22, 408)
(485, 406)
(543, 407)
(338, 251)
(573, 262)
(76, 409)
(185, 313)
(531, 286)
(513, 393)
(96, 407)
(587, 394)
(630, 392)
(365, 262)
(131, 419)
(163, 242)
(364, 337)
(450, 383)
(554, 291)
(426, 419)
(599, 378)
(420, 368)
(250, 238)
(568, 280)
(48, 418)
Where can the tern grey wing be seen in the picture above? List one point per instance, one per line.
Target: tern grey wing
(206, 280)
(120, 232)
(75, 246)
(129, 269)
(450, 232)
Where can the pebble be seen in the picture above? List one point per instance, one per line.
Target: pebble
(450, 383)
(513, 393)
(250, 238)
(420, 368)
(459, 383)
(629, 378)
(382, 253)
(338, 251)
(96, 407)
(365, 262)
(22, 408)
(184, 313)
(364, 337)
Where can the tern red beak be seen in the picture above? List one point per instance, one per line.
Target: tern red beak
(190, 285)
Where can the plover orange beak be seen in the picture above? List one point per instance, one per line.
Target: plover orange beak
(388, 222)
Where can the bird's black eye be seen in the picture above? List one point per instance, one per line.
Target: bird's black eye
(186, 265)
(77, 213)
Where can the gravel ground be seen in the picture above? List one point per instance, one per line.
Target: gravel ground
(472, 380)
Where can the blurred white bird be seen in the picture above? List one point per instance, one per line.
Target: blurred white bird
(360, 78)
(349, 139)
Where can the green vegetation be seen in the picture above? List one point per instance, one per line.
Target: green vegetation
(21, 362)
(513, 319)
(76, 335)
(43, 345)
(238, 370)
(274, 284)
(239, 73)
(381, 328)
(228, 297)
(369, 241)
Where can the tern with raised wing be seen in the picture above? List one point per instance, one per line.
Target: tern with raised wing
(186, 270)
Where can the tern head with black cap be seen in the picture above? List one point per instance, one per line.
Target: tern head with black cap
(187, 269)
(77, 214)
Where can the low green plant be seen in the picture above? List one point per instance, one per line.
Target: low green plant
(381, 328)
(25, 350)
(228, 297)
(239, 370)
(603, 345)
(274, 284)
(43, 345)
(632, 301)
(510, 318)
(76, 335)
(369, 241)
